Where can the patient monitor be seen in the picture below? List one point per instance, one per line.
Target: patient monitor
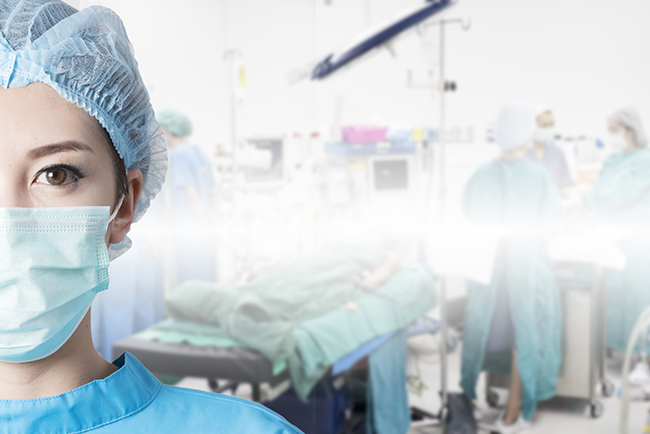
(391, 178)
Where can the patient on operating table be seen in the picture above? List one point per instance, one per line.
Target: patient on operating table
(310, 312)
(368, 279)
(264, 309)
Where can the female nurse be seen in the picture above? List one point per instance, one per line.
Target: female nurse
(621, 197)
(513, 325)
(82, 156)
(190, 186)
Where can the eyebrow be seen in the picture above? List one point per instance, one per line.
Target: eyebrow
(55, 148)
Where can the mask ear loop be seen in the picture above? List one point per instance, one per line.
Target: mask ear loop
(117, 250)
(117, 209)
(119, 204)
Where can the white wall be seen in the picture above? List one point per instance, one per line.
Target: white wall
(278, 36)
(179, 47)
(581, 57)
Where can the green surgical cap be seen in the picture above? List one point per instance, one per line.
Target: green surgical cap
(175, 122)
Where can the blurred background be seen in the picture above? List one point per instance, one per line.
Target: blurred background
(382, 149)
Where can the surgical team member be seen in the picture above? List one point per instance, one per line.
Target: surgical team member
(190, 188)
(621, 197)
(513, 325)
(545, 152)
(82, 156)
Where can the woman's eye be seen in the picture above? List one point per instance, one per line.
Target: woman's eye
(56, 176)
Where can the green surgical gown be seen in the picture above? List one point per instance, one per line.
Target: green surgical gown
(621, 196)
(515, 192)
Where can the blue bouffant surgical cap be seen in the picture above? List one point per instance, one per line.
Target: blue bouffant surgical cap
(87, 58)
(175, 122)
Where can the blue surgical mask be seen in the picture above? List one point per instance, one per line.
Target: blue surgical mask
(545, 136)
(53, 262)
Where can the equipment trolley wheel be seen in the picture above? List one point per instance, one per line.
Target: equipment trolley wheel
(596, 409)
(217, 387)
(607, 388)
(452, 342)
(213, 384)
(492, 398)
(442, 414)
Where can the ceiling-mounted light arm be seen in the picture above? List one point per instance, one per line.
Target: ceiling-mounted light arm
(391, 49)
(465, 23)
(379, 37)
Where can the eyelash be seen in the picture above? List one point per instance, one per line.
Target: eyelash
(75, 171)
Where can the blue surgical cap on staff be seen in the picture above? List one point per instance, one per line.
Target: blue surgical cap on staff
(629, 118)
(175, 122)
(87, 58)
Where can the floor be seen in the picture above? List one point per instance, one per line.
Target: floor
(555, 417)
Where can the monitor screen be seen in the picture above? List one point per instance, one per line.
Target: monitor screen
(391, 175)
(275, 172)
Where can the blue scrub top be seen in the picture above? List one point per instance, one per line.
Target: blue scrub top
(132, 400)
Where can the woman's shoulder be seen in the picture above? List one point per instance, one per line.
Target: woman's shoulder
(135, 401)
(632, 164)
(205, 410)
(642, 157)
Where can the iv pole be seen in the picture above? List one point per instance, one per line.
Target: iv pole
(443, 86)
(229, 56)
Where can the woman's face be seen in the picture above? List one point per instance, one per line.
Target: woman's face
(53, 153)
(614, 128)
(545, 120)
